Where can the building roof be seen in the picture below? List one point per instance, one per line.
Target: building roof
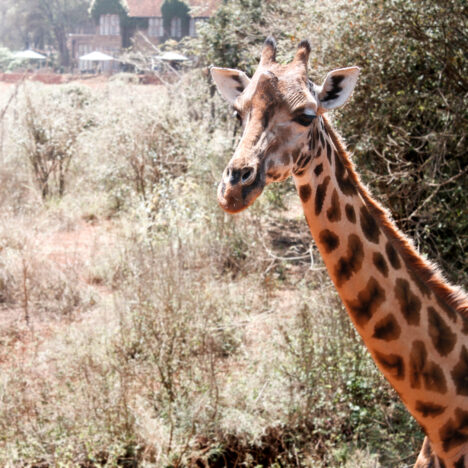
(152, 8)
(144, 8)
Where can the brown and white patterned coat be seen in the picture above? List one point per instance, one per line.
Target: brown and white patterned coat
(414, 323)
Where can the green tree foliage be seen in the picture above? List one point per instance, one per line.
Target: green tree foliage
(230, 37)
(408, 120)
(7, 59)
(41, 23)
(105, 7)
(175, 8)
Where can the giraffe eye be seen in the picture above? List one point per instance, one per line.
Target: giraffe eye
(237, 116)
(304, 119)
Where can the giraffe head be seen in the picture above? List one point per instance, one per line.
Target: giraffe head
(278, 108)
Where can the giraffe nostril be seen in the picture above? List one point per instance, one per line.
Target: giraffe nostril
(247, 175)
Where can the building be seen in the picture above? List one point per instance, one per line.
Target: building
(111, 34)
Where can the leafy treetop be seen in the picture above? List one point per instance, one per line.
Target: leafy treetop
(104, 7)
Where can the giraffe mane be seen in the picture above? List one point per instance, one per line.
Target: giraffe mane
(450, 295)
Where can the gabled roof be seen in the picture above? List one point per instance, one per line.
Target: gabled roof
(144, 8)
(152, 8)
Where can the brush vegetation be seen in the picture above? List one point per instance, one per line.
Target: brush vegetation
(142, 326)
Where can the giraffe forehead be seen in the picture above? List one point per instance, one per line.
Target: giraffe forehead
(277, 87)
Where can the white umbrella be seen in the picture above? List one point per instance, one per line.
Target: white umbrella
(96, 57)
(29, 54)
(172, 57)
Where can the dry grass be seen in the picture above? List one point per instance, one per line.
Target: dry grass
(141, 325)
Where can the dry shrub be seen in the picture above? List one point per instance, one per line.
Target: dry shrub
(32, 282)
(48, 130)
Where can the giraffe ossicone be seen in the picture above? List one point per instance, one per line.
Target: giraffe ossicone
(413, 322)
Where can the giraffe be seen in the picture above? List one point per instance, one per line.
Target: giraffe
(414, 324)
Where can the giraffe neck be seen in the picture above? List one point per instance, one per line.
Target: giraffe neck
(414, 325)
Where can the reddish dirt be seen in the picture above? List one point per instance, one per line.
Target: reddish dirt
(66, 249)
(55, 78)
(78, 245)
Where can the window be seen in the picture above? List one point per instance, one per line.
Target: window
(155, 27)
(109, 25)
(176, 27)
(192, 27)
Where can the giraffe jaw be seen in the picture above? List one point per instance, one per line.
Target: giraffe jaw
(236, 198)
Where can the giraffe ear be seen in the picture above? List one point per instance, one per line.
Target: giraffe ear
(230, 82)
(337, 87)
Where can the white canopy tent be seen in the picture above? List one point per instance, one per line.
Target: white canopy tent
(98, 61)
(29, 54)
(97, 56)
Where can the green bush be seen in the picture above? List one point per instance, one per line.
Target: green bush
(407, 120)
(8, 61)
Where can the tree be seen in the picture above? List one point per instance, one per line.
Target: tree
(408, 120)
(41, 23)
(175, 9)
(104, 7)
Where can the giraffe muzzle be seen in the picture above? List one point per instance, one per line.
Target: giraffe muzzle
(240, 187)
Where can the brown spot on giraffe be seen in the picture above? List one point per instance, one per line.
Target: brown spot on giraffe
(449, 311)
(460, 373)
(392, 256)
(320, 195)
(318, 169)
(350, 213)
(369, 226)
(422, 371)
(295, 156)
(392, 363)
(425, 290)
(429, 409)
(455, 432)
(410, 304)
(304, 160)
(329, 152)
(305, 192)
(380, 263)
(329, 240)
(367, 303)
(343, 177)
(417, 362)
(273, 175)
(334, 212)
(387, 329)
(301, 163)
(441, 335)
(352, 263)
